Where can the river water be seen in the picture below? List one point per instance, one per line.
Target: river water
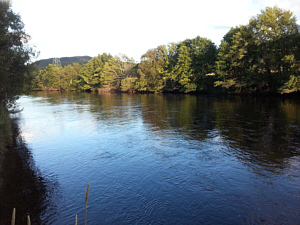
(156, 159)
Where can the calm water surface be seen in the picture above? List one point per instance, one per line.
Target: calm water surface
(161, 159)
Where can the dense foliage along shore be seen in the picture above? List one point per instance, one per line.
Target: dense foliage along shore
(260, 57)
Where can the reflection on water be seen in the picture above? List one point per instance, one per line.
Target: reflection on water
(21, 184)
(165, 159)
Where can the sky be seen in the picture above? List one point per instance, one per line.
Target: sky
(65, 28)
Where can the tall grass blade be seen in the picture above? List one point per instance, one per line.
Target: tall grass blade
(28, 220)
(13, 217)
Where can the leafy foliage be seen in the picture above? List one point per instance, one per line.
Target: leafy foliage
(102, 71)
(15, 56)
(178, 67)
(292, 85)
(262, 56)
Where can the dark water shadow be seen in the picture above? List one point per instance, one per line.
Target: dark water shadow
(22, 185)
(260, 131)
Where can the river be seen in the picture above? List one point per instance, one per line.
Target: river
(155, 159)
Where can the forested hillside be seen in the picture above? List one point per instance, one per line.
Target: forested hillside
(262, 56)
(64, 61)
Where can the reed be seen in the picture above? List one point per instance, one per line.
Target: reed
(28, 220)
(87, 195)
(13, 217)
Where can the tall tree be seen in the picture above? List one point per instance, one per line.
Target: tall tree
(203, 53)
(15, 55)
(116, 69)
(70, 75)
(90, 74)
(234, 58)
(274, 32)
(261, 56)
(179, 67)
(182, 72)
(151, 70)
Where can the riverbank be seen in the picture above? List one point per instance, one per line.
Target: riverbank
(6, 134)
(219, 92)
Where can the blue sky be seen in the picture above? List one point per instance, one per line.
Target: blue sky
(61, 28)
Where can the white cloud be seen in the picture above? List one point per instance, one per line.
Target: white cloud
(68, 28)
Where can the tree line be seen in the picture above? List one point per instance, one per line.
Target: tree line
(260, 57)
(182, 67)
(103, 72)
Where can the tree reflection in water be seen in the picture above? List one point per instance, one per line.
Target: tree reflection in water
(263, 131)
(22, 185)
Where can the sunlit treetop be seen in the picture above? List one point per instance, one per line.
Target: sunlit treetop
(274, 23)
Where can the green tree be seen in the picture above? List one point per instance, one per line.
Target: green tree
(70, 75)
(106, 57)
(179, 67)
(58, 78)
(292, 85)
(182, 72)
(203, 54)
(125, 66)
(234, 64)
(77, 67)
(40, 80)
(110, 74)
(15, 56)
(90, 74)
(116, 69)
(105, 71)
(275, 31)
(128, 84)
(151, 70)
(261, 56)
(53, 77)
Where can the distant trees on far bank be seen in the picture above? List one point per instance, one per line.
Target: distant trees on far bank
(101, 72)
(260, 57)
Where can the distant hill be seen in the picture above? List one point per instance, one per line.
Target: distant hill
(64, 61)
